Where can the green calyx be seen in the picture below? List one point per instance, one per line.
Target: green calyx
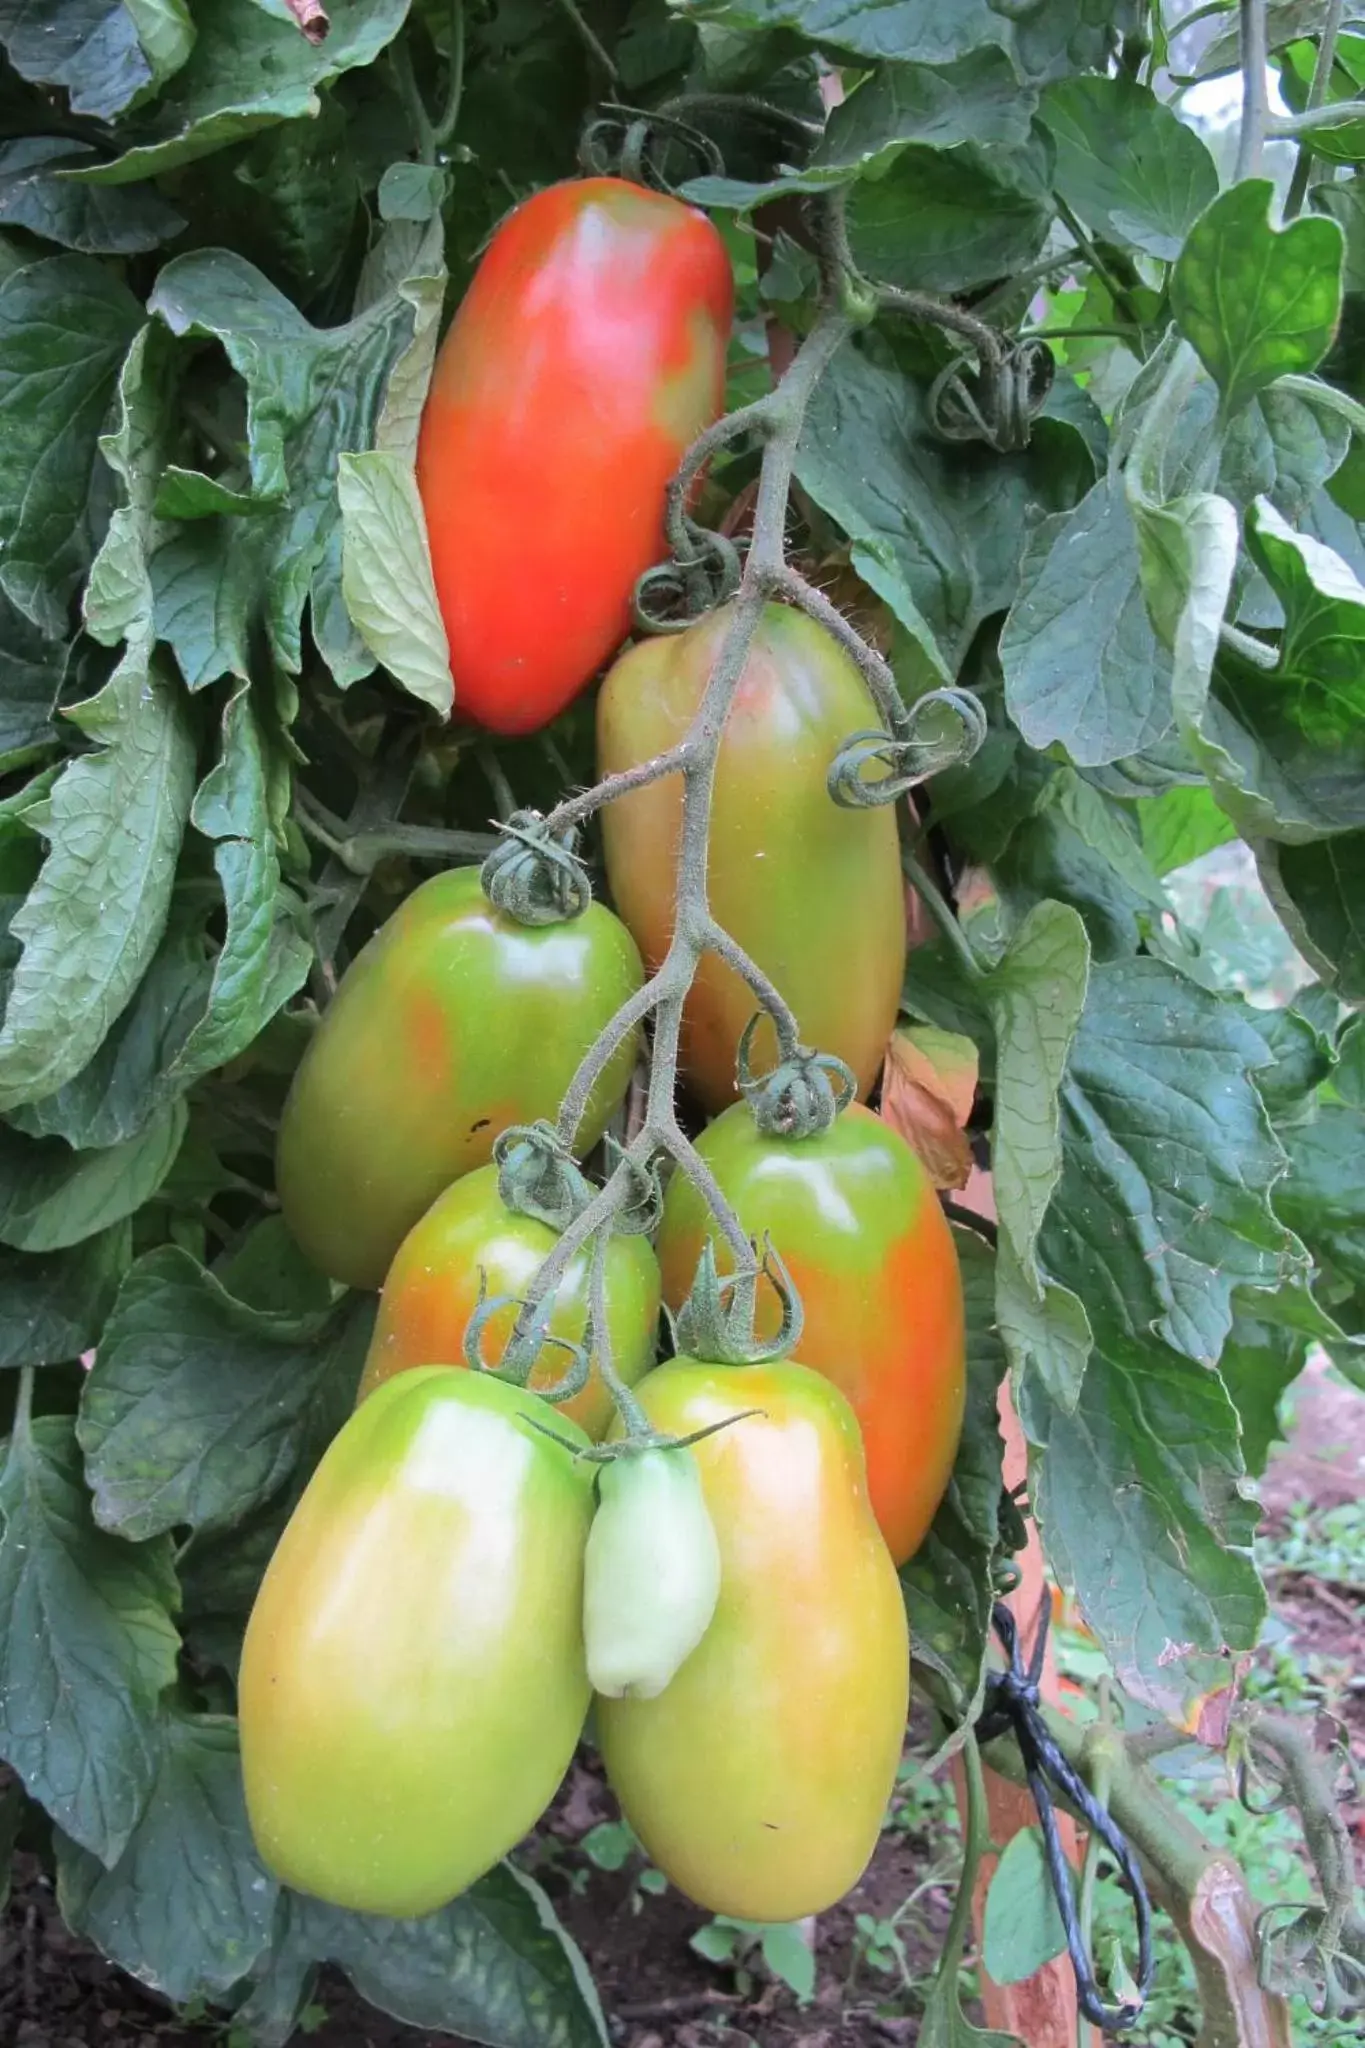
(539, 1176)
(523, 1348)
(716, 1322)
(798, 1098)
(535, 875)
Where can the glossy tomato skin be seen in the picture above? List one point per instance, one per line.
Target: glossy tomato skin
(432, 1290)
(453, 1022)
(412, 1683)
(587, 354)
(856, 1221)
(811, 891)
(758, 1779)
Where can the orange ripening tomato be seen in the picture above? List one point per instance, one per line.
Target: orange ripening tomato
(811, 891)
(588, 353)
(758, 1779)
(432, 1291)
(856, 1222)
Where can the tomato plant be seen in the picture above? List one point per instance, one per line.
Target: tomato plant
(994, 675)
(468, 1241)
(811, 891)
(417, 1632)
(861, 1233)
(758, 1779)
(587, 353)
(453, 1023)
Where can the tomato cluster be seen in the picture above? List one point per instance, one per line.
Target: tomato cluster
(708, 1547)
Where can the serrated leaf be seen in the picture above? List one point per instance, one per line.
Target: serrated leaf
(1321, 666)
(53, 1304)
(52, 1197)
(1257, 301)
(386, 575)
(264, 958)
(1126, 164)
(87, 48)
(1044, 1328)
(198, 1407)
(1035, 997)
(188, 1907)
(1319, 893)
(948, 220)
(1062, 37)
(1181, 825)
(1082, 664)
(249, 69)
(1138, 1503)
(494, 1964)
(1163, 1207)
(206, 584)
(1022, 1925)
(64, 326)
(96, 914)
(937, 534)
(1322, 1197)
(312, 395)
(1260, 1361)
(32, 670)
(412, 191)
(947, 1583)
(87, 1645)
(34, 196)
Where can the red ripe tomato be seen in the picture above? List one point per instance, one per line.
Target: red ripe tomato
(588, 353)
(856, 1222)
(811, 891)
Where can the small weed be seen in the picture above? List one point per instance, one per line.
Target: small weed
(1326, 1544)
(784, 1951)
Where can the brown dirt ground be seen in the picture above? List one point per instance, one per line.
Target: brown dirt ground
(55, 1992)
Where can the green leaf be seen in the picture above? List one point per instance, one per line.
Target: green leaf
(117, 604)
(87, 1645)
(946, 220)
(1260, 1361)
(412, 191)
(1322, 1198)
(1044, 1328)
(1064, 36)
(1322, 652)
(96, 914)
(199, 1407)
(977, 99)
(1168, 1158)
(52, 1197)
(64, 326)
(34, 196)
(188, 1907)
(31, 674)
(1035, 997)
(1082, 664)
(166, 33)
(207, 584)
(264, 958)
(937, 534)
(1350, 1073)
(1022, 1926)
(53, 1305)
(250, 68)
(947, 1583)
(1345, 144)
(386, 575)
(1319, 892)
(790, 1958)
(87, 48)
(494, 1964)
(1345, 202)
(1126, 164)
(1257, 301)
(1137, 1502)
(312, 395)
(1182, 825)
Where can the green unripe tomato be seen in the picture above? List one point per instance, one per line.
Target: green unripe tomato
(651, 1576)
(454, 1022)
(413, 1684)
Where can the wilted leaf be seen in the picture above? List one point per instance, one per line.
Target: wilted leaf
(928, 1089)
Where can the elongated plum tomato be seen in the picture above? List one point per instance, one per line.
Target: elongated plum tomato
(587, 354)
(432, 1290)
(651, 1575)
(758, 1779)
(856, 1222)
(412, 1681)
(811, 891)
(454, 1022)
